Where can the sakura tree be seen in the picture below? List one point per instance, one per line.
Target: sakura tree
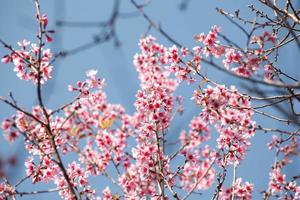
(89, 137)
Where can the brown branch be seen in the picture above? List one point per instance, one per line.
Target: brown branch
(41, 31)
(221, 179)
(13, 105)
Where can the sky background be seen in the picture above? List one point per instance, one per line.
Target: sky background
(17, 22)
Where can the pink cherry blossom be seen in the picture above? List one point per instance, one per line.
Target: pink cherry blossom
(239, 190)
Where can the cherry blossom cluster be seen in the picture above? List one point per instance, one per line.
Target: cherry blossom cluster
(27, 63)
(199, 133)
(231, 114)
(6, 191)
(21, 123)
(279, 185)
(264, 38)
(41, 165)
(241, 62)
(105, 124)
(154, 105)
(32, 61)
(90, 117)
(107, 195)
(238, 190)
(227, 109)
(197, 171)
(210, 42)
